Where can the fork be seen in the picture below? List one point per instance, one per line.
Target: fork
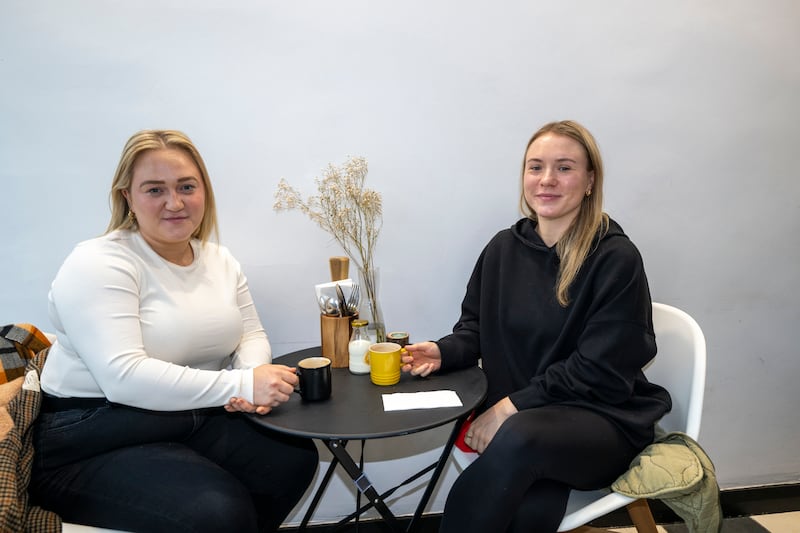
(353, 300)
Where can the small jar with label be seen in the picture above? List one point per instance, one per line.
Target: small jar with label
(358, 348)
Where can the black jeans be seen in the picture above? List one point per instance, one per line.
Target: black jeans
(521, 482)
(150, 471)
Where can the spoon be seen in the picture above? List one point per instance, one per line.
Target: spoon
(331, 306)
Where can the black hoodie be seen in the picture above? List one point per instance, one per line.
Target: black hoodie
(588, 354)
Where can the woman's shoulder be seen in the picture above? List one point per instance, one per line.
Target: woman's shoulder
(114, 242)
(522, 229)
(615, 247)
(106, 257)
(615, 238)
(500, 241)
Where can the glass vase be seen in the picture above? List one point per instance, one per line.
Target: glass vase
(368, 278)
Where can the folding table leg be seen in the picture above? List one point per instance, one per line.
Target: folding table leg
(362, 482)
(320, 491)
(448, 447)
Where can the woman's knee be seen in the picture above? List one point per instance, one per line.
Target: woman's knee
(302, 464)
(552, 429)
(519, 435)
(218, 506)
(299, 457)
(309, 459)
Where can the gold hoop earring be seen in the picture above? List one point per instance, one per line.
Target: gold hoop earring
(131, 216)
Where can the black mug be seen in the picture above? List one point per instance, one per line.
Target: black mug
(315, 378)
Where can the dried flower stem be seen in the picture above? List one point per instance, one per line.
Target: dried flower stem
(351, 213)
(343, 207)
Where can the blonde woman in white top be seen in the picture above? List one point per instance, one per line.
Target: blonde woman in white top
(159, 348)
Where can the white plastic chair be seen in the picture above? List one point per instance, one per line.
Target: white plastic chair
(680, 367)
(77, 528)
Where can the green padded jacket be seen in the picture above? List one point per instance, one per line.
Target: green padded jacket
(677, 471)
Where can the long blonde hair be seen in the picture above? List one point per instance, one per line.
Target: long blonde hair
(154, 140)
(590, 223)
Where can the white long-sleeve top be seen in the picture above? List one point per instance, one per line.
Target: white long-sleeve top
(142, 331)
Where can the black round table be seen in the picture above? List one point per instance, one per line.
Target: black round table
(355, 411)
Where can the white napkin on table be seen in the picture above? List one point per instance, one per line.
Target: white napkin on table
(402, 401)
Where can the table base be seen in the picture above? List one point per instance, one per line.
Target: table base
(377, 500)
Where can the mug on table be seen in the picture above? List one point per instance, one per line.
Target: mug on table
(315, 378)
(385, 362)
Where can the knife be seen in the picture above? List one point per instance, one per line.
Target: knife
(342, 302)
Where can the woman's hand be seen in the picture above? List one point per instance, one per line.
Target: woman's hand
(272, 386)
(484, 428)
(422, 358)
(237, 404)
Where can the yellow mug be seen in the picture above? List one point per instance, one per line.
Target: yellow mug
(385, 361)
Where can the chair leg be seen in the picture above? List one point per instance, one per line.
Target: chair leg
(641, 517)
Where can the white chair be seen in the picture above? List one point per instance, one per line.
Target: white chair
(680, 367)
(77, 528)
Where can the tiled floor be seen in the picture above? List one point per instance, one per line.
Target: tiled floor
(783, 523)
(771, 523)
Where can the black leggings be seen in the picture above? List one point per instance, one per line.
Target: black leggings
(521, 482)
(191, 471)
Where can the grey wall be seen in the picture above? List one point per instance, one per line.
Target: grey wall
(694, 105)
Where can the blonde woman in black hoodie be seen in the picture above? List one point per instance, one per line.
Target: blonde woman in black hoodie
(558, 310)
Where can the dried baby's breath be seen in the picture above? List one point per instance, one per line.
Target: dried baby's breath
(343, 207)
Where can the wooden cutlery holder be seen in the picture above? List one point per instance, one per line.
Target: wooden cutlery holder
(335, 333)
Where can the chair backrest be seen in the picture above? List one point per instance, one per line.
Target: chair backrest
(680, 367)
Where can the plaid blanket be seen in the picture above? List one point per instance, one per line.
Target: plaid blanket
(20, 400)
(18, 344)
